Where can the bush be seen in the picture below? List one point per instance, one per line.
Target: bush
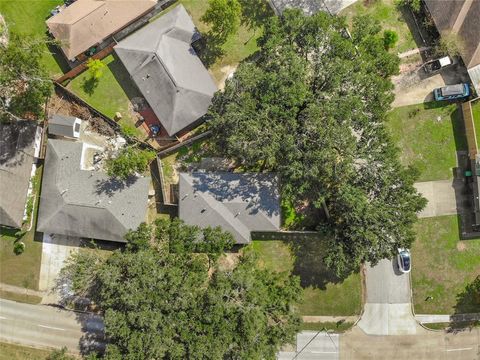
(129, 161)
(412, 4)
(128, 130)
(18, 247)
(95, 68)
(390, 38)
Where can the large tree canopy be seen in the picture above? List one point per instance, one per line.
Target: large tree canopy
(24, 84)
(166, 297)
(312, 108)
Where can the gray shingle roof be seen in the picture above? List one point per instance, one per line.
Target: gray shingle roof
(84, 203)
(168, 72)
(61, 125)
(239, 203)
(17, 142)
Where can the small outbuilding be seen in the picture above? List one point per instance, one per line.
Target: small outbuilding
(63, 125)
(238, 203)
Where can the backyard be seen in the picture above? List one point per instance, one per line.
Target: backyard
(442, 266)
(28, 18)
(324, 294)
(389, 16)
(428, 136)
(21, 270)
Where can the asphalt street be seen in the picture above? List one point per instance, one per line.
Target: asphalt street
(45, 326)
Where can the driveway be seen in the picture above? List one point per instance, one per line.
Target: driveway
(55, 251)
(313, 345)
(388, 308)
(445, 197)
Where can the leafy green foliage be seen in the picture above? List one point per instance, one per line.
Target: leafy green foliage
(390, 38)
(60, 354)
(95, 68)
(24, 85)
(415, 5)
(128, 130)
(129, 161)
(312, 108)
(223, 16)
(18, 247)
(165, 296)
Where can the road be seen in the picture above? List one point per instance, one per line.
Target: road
(388, 308)
(45, 326)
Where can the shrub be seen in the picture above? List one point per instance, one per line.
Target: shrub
(128, 130)
(129, 161)
(18, 247)
(95, 68)
(390, 38)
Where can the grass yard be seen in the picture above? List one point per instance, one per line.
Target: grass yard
(428, 136)
(389, 16)
(21, 270)
(442, 266)
(476, 119)
(111, 94)
(323, 293)
(28, 18)
(17, 352)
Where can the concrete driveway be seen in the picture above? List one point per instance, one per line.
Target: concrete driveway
(445, 197)
(56, 249)
(388, 308)
(313, 345)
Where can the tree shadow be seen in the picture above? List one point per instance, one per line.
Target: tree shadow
(309, 263)
(111, 186)
(89, 85)
(467, 308)
(58, 56)
(209, 48)
(255, 13)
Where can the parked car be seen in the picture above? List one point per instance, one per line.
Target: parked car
(451, 92)
(436, 65)
(404, 261)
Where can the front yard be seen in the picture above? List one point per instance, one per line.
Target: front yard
(324, 294)
(22, 270)
(28, 18)
(476, 119)
(442, 266)
(389, 16)
(428, 136)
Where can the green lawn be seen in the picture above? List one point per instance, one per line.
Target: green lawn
(111, 94)
(323, 293)
(476, 119)
(442, 266)
(428, 136)
(21, 270)
(389, 16)
(17, 352)
(28, 18)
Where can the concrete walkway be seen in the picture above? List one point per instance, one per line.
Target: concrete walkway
(332, 319)
(21, 290)
(442, 198)
(429, 319)
(412, 52)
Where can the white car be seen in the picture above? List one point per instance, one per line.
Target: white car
(404, 260)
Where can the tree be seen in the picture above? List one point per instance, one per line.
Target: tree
(166, 297)
(223, 16)
(95, 68)
(129, 161)
(415, 5)
(450, 44)
(312, 108)
(24, 84)
(390, 38)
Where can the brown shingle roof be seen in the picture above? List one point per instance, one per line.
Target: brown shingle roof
(87, 22)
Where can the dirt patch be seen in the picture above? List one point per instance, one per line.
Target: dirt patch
(228, 261)
(3, 32)
(461, 246)
(226, 71)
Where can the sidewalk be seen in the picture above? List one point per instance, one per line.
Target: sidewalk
(334, 319)
(20, 290)
(429, 319)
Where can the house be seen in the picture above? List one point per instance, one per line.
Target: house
(17, 155)
(86, 23)
(62, 125)
(238, 203)
(163, 64)
(461, 17)
(77, 200)
(310, 7)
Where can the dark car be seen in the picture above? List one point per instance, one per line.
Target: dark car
(404, 261)
(451, 92)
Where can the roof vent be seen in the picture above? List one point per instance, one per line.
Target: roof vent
(184, 196)
(63, 191)
(203, 210)
(237, 214)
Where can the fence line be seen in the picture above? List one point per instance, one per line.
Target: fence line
(174, 147)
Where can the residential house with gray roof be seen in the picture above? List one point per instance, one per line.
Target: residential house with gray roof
(17, 154)
(77, 200)
(163, 64)
(238, 203)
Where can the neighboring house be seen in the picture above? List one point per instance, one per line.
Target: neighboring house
(311, 7)
(17, 154)
(86, 23)
(238, 203)
(62, 125)
(164, 66)
(461, 17)
(79, 201)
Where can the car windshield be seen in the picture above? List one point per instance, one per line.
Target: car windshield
(405, 260)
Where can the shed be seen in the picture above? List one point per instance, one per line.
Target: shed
(62, 125)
